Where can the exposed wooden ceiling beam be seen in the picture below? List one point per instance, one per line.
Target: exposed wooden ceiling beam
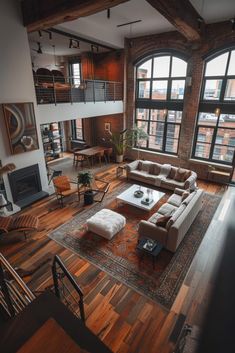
(42, 14)
(182, 15)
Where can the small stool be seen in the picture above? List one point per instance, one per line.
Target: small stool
(106, 223)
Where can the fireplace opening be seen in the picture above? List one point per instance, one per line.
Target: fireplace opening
(26, 186)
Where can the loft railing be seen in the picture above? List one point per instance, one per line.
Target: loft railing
(67, 289)
(53, 90)
(14, 293)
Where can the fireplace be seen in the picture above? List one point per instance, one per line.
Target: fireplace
(26, 186)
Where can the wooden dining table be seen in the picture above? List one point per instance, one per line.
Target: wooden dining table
(89, 153)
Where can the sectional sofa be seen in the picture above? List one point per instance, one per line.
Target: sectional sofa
(179, 214)
(161, 175)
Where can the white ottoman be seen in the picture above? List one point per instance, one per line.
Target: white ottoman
(106, 223)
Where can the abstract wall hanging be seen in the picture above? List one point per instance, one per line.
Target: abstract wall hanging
(21, 127)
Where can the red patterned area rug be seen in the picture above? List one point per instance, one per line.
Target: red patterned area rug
(119, 257)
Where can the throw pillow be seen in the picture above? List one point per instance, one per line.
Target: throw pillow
(187, 175)
(172, 173)
(185, 195)
(175, 216)
(180, 174)
(162, 221)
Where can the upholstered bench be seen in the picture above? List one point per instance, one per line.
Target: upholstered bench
(106, 223)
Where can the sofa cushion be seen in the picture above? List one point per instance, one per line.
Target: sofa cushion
(189, 198)
(175, 183)
(175, 215)
(153, 219)
(144, 176)
(167, 208)
(175, 200)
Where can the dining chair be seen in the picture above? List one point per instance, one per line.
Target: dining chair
(101, 155)
(108, 153)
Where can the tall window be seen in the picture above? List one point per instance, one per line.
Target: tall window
(160, 84)
(77, 129)
(75, 71)
(215, 129)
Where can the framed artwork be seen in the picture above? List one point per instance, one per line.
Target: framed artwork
(107, 126)
(21, 127)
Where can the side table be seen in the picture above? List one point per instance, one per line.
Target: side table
(154, 253)
(120, 170)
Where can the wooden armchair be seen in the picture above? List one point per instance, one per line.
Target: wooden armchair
(23, 223)
(64, 187)
(100, 189)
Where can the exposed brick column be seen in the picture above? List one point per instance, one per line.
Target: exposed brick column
(191, 101)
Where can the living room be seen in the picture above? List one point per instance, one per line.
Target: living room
(175, 124)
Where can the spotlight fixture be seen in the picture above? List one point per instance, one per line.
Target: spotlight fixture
(233, 24)
(94, 47)
(74, 44)
(39, 50)
(199, 22)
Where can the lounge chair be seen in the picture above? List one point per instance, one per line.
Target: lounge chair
(24, 223)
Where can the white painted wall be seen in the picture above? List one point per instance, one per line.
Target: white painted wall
(16, 84)
(48, 113)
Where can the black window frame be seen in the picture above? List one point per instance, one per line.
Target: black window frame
(168, 104)
(72, 61)
(220, 105)
(74, 130)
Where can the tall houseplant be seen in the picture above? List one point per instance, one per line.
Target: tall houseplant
(120, 141)
(85, 179)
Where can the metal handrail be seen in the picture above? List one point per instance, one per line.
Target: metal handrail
(16, 277)
(70, 89)
(14, 293)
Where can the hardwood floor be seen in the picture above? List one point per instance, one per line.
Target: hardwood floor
(122, 318)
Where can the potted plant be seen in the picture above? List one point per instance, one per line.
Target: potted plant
(85, 179)
(120, 141)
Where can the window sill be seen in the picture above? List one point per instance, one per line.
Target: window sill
(219, 165)
(155, 153)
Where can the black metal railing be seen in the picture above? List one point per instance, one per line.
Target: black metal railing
(53, 90)
(67, 289)
(14, 293)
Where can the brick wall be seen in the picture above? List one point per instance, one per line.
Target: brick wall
(116, 123)
(216, 36)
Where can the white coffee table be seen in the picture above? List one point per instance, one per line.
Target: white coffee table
(128, 197)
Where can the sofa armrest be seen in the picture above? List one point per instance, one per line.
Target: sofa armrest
(152, 231)
(190, 182)
(132, 166)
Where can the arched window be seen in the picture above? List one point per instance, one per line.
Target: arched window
(160, 84)
(215, 129)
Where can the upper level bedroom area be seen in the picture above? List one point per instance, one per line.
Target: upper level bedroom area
(68, 68)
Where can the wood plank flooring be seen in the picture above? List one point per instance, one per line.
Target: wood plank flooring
(122, 318)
